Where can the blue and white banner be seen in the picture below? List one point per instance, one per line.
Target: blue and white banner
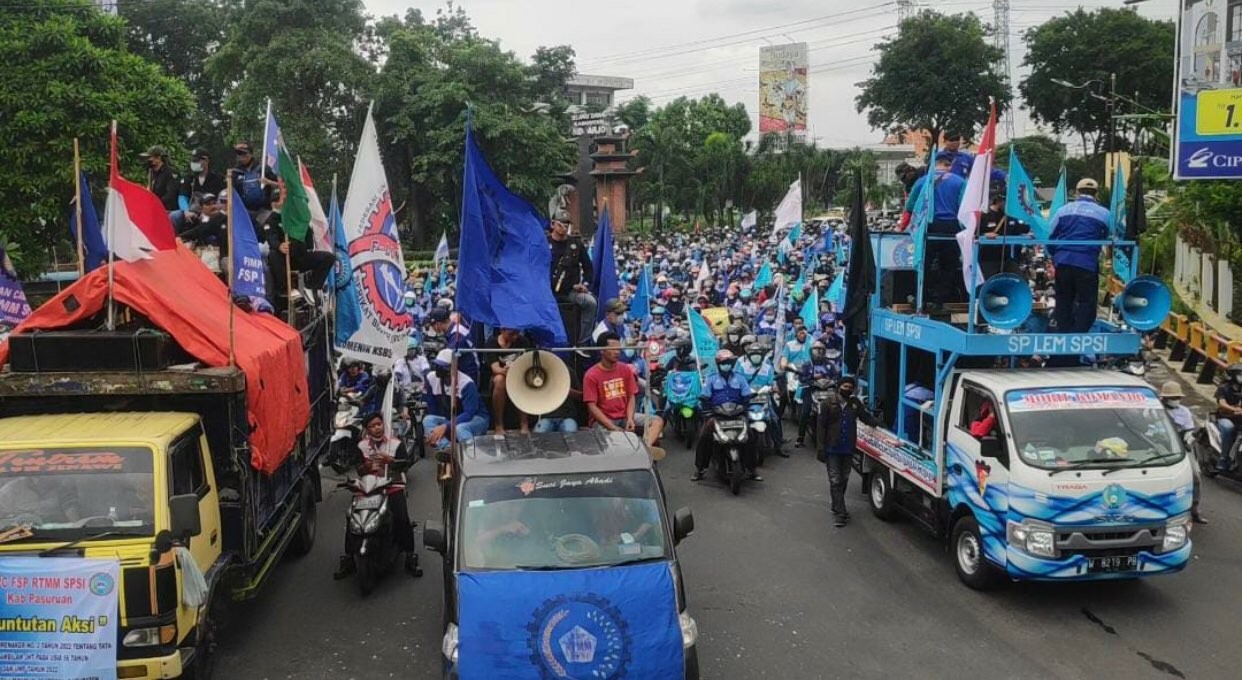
(13, 305)
(604, 624)
(249, 273)
(59, 617)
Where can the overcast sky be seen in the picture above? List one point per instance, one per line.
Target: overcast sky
(693, 47)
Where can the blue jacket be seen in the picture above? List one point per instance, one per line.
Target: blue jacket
(1083, 219)
(717, 390)
(253, 194)
(949, 190)
(469, 404)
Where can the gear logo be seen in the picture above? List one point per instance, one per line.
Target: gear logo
(376, 254)
(903, 253)
(101, 584)
(1114, 496)
(579, 636)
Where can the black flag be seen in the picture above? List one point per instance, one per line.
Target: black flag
(1136, 221)
(859, 278)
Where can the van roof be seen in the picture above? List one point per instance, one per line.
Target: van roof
(156, 429)
(1003, 380)
(589, 450)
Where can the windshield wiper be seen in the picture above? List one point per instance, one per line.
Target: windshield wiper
(1152, 459)
(1086, 463)
(78, 541)
(541, 567)
(638, 560)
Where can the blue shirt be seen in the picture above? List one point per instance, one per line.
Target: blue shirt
(719, 390)
(949, 189)
(842, 442)
(1083, 219)
(758, 376)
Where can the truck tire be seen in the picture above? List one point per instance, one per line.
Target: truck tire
(966, 546)
(880, 495)
(304, 538)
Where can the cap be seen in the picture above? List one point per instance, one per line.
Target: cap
(1086, 183)
(444, 358)
(1171, 390)
(438, 314)
(944, 157)
(616, 305)
(156, 150)
(208, 198)
(200, 153)
(243, 146)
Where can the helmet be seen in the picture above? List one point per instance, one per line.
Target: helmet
(818, 350)
(1234, 370)
(725, 361)
(747, 340)
(657, 311)
(735, 315)
(734, 333)
(746, 293)
(410, 298)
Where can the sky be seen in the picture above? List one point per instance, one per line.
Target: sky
(694, 47)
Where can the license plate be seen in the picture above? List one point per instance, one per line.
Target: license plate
(1114, 563)
(368, 502)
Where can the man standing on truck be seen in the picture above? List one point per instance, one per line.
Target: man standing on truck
(839, 418)
(1078, 266)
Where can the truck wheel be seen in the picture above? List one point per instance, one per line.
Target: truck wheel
(968, 560)
(304, 539)
(881, 497)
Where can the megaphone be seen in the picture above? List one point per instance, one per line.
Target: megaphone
(1005, 301)
(537, 382)
(1144, 303)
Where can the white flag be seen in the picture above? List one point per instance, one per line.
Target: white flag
(975, 203)
(750, 219)
(705, 273)
(789, 212)
(370, 229)
(442, 250)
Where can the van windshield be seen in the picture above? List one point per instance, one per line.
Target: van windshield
(73, 493)
(1104, 427)
(561, 521)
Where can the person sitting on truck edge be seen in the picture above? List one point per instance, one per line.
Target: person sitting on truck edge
(839, 418)
(1078, 266)
(469, 416)
(505, 339)
(1228, 414)
(1171, 396)
(457, 336)
(377, 451)
(610, 390)
(723, 387)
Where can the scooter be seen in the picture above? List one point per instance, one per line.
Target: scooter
(793, 400)
(347, 426)
(1205, 442)
(730, 435)
(681, 396)
(818, 392)
(759, 414)
(371, 540)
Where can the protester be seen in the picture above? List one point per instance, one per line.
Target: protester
(1228, 414)
(571, 269)
(506, 339)
(839, 420)
(610, 390)
(161, 178)
(1078, 266)
(200, 181)
(453, 404)
(1171, 396)
(251, 181)
(722, 387)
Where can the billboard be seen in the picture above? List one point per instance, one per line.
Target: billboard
(1208, 90)
(782, 88)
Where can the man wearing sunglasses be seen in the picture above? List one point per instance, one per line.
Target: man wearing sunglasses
(251, 181)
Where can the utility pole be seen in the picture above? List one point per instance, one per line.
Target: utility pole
(905, 10)
(1000, 24)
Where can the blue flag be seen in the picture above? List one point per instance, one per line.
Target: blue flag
(1117, 226)
(704, 340)
(249, 272)
(764, 277)
(779, 343)
(640, 304)
(924, 212)
(1020, 201)
(503, 259)
(795, 233)
(801, 282)
(836, 292)
(271, 140)
(442, 282)
(13, 305)
(619, 622)
(94, 249)
(1060, 198)
(603, 265)
(348, 316)
(810, 309)
(842, 258)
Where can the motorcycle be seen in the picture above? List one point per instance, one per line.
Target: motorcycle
(759, 414)
(793, 401)
(681, 396)
(1205, 443)
(347, 426)
(730, 435)
(371, 540)
(820, 389)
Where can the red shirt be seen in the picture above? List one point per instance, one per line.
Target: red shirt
(611, 390)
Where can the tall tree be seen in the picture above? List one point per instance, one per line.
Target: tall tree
(1041, 155)
(936, 74)
(307, 56)
(1085, 48)
(65, 72)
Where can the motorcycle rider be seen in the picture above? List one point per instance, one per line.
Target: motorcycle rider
(723, 387)
(818, 367)
(1228, 413)
(1171, 396)
(733, 338)
(377, 451)
(758, 371)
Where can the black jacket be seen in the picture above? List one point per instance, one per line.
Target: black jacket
(165, 184)
(830, 418)
(193, 188)
(570, 265)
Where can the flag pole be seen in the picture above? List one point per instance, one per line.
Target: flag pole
(77, 193)
(288, 281)
(263, 156)
(111, 323)
(228, 230)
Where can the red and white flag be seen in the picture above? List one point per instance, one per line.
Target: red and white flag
(319, 219)
(135, 221)
(975, 202)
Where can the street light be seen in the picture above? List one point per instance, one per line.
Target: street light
(1110, 101)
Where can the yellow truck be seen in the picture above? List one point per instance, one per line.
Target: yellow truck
(152, 465)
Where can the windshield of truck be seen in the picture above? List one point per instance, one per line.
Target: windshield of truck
(74, 493)
(1087, 427)
(561, 521)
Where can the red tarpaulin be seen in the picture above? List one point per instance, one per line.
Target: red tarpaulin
(183, 298)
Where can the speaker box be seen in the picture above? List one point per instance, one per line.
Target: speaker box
(72, 351)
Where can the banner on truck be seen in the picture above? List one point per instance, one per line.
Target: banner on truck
(59, 619)
(782, 88)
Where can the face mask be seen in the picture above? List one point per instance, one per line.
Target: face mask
(847, 392)
(1238, 378)
(1172, 403)
(725, 368)
(196, 166)
(756, 359)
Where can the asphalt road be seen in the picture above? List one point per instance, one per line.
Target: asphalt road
(780, 593)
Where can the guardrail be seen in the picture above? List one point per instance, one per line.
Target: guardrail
(1200, 349)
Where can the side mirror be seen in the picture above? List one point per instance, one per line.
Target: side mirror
(683, 525)
(183, 510)
(433, 536)
(990, 446)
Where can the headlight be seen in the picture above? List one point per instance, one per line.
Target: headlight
(372, 521)
(1176, 533)
(448, 646)
(689, 630)
(150, 637)
(1035, 538)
